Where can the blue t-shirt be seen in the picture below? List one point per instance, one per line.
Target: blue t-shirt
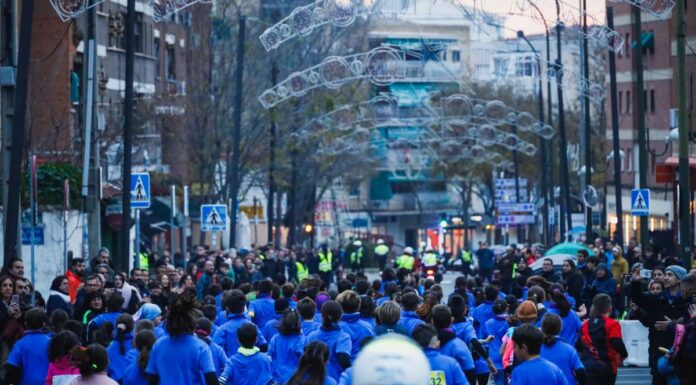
(537, 371)
(219, 356)
(496, 327)
(271, 328)
(309, 326)
(30, 355)
(285, 351)
(465, 331)
(571, 325)
(338, 342)
(481, 314)
(182, 360)
(134, 376)
(444, 368)
(262, 310)
(118, 361)
(458, 350)
(565, 357)
(357, 329)
(226, 335)
(370, 321)
(382, 300)
(409, 320)
(254, 369)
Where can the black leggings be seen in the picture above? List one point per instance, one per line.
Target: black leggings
(482, 379)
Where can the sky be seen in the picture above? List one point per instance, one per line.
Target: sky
(521, 16)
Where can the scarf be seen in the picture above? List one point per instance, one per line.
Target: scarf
(127, 291)
(64, 297)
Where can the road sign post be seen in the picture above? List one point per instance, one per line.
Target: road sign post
(140, 191)
(213, 219)
(640, 202)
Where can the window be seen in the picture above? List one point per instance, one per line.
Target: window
(628, 102)
(651, 46)
(138, 31)
(116, 23)
(456, 56)
(652, 101)
(645, 100)
(170, 62)
(620, 99)
(157, 57)
(501, 67)
(524, 66)
(629, 160)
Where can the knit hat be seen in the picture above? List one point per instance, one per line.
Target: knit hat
(679, 271)
(148, 311)
(602, 266)
(320, 299)
(526, 311)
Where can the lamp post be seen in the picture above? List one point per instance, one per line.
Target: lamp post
(684, 174)
(237, 133)
(565, 217)
(542, 141)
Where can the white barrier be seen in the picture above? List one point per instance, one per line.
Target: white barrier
(635, 337)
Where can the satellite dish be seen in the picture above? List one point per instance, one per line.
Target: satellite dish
(590, 196)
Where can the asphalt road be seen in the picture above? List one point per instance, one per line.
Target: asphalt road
(627, 376)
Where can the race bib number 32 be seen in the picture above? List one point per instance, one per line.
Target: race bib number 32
(437, 377)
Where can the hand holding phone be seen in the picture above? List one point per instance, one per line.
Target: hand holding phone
(14, 300)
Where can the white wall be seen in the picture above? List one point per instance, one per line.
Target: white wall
(49, 258)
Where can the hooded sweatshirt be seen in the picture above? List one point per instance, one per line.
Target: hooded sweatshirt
(62, 371)
(357, 329)
(247, 367)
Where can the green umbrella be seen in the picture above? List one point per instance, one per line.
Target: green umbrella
(568, 248)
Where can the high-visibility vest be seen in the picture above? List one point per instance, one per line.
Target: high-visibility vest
(466, 256)
(262, 257)
(356, 256)
(144, 261)
(302, 271)
(381, 249)
(325, 261)
(430, 259)
(405, 262)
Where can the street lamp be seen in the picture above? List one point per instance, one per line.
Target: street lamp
(542, 140)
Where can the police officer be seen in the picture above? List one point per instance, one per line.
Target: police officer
(357, 257)
(381, 251)
(406, 260)
(465, 256)
(301, 269)
(325, 259)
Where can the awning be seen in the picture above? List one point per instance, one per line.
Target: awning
(674, 161)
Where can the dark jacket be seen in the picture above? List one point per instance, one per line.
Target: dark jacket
(57, 300)
(657, 306)
(574, 283)
(551, 276)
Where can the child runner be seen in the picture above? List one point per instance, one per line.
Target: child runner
(271, 327)
(262, 309)
(307, 308)
(226, 335)
(287, 346)
(533, 370)
(351, 323)
(562, 307)
(28, 359)
(337, 340)
(388, 315)
(409, 319)
(450, 344)
(62, 371)
(135, 372)
(312, 367)
(559, 352)
(120, 346)
(443, 370)
(92, 363)
(602, 346)
(497, 327)
(464, 328)
(203, 328)
(249, 366)
(181, 358)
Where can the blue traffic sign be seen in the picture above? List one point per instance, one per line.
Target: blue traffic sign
(640, 202)
(38, 233)
(213, 218)
(140, 191)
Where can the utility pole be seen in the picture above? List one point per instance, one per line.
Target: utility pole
(18, 128)
(90, 173)
(615, 135)
(639, 116)
(565, 217)
(121, 260)
(588, 122)
(549, 167)
(684, 172)
(237, 134)
(271, 169)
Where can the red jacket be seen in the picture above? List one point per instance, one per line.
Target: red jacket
(74, 282)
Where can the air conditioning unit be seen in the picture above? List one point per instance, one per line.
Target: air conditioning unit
(673, 118)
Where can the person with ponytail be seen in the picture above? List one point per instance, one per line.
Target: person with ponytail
(312, 367)
(135, 372)
(203, 332)
(119, 347)
(338, 341)
(559, 352)
(287, 346)
(563, 308)
(92, 362)
(497, 328)
(181, 358)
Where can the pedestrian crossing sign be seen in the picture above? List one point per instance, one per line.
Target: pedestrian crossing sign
(213, 218)
(640, 202)
(140, 191)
